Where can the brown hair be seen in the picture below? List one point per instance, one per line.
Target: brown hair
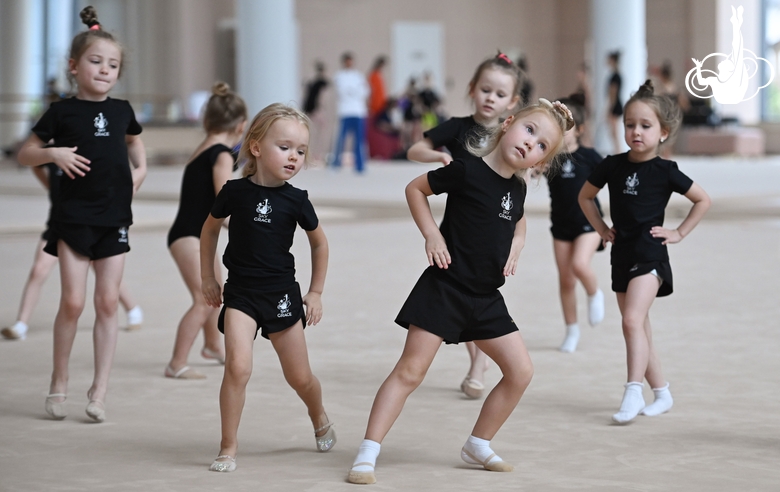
(668, 112)
(259, 128)
(224, 110)
(84, 39)
(486, 140)
(498, 62)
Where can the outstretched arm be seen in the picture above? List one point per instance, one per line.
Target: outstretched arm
(136, 153)
(518, 243)
(417, 193)
(319, 267)
(587, 200)
(209, 236)
(701, 202)
(34, 153)
(423, 151)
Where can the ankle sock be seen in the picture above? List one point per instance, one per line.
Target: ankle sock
(479, 449)
(17, 331)
(368, 452)
(633, 403)
(135, 316)
(572, 338)
(663, 402)
(596, 308)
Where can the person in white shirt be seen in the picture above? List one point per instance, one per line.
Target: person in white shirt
(351, 93)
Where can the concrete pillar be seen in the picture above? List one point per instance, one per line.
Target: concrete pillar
(267, 53)
(616, 25)
(21, 73)
(59, 33)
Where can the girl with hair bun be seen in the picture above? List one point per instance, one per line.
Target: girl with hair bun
(210, 167)
(94, 141)
(457, 298)
(640, 184)
(494, 90)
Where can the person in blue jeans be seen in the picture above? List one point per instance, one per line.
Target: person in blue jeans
(351, 93)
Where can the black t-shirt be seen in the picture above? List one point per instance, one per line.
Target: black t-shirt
(479, 222)
(98, 128)
(262, 226)
(565, 186)
(638, 194)
(197, 194)
(453, 134)
(312, 100)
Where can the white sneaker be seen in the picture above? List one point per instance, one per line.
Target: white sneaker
(596, 308)
(16, 332)
(135, 317)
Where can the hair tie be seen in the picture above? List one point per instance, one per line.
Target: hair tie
(502, 56)
(95, 26)
(562, 107)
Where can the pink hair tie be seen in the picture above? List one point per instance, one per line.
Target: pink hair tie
(505, 58)
(94, 27)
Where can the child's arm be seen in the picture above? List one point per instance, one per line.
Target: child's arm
(42, 174)
(518, 242)
(221, 172)
(587, 199)
(209, 236)
(319, 266)
(136, 153)
(417, 193)
(423, 151)
(34, 153)
(701, 202)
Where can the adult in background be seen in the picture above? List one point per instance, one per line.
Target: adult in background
(313, 109)
(351, 94)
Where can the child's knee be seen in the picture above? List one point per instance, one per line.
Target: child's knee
(72, 306)
(410, 375)
(106, 304)
(238, 371)
(300, 380)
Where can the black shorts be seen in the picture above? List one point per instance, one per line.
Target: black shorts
(440, 308)
(94, 242)
(273, 311)
(623, 273)
(569, 232)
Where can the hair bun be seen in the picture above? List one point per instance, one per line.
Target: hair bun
(89, 16)
(220, 89)
(646, 89)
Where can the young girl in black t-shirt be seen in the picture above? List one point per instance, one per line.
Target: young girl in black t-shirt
(210, 167)
(494, 89)
(640, 184)
(95, 142)
(574, 239)
(261, 292)
(457, 299)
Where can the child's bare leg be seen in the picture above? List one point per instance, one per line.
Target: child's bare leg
(585, 246)
(186, 254)
(239, 340)
(108, 276)
(567, 282)
(663, 398)
(126, 298)
(419, 350)
(73, 281)
(40, 271)
(479, 363)
(512, 358)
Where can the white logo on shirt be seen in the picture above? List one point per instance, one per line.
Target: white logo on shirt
(567, 169)
(284, 307)
(631, 184)
(263, 209)
(101, 123)
(506, 205)
(122, 235)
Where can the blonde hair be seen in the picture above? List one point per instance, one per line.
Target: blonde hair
(84, 39)
(259, 128)
(224, 110)
(666, 109)
(486, 140)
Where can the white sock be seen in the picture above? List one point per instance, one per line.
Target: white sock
(20, 329)
(633, 403)
(596, 308)
(663, 402)
(572, 338)
(135, 316)
(480, 449)
(368, 452)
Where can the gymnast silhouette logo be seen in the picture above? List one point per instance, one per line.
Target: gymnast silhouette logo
(284, 307)
(263, 209)
(730, 84)
(122, 235)
(631, 183)
(101, 123)
(506, 205)
(567, 169)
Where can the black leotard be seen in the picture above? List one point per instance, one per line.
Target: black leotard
(197, 194)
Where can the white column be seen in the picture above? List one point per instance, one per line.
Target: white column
(616, 25)
(21, 73)
(59, 33)
(267, 53)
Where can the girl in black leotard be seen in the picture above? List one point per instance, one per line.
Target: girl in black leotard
(208, 170)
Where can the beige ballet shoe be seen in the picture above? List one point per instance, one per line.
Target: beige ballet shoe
(472, 389)
(226, 466)
(326, 441)
(185, 372)
(209, 354)
(96, 410)
(497, 466)
(361, 477)
(56, 409)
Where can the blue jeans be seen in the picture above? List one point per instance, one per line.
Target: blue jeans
(357, 127)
